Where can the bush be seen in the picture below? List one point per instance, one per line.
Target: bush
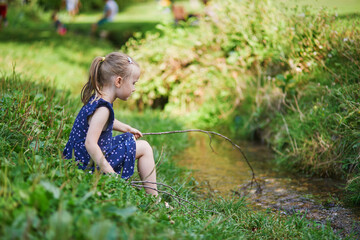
(288, 77)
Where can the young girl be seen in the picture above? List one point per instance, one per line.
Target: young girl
(110, 77)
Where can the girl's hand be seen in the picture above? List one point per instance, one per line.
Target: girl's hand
(136, 132)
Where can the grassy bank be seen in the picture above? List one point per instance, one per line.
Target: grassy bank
(43, 196)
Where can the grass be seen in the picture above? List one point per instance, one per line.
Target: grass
(44, 197)
(344, 7)
(31, 45)
(34, 49)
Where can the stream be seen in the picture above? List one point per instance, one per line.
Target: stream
(226, 173)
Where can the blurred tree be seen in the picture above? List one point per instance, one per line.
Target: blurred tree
(50, 5)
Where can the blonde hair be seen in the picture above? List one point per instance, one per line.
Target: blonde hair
(101, 71)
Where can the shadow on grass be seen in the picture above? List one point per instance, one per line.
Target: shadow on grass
(350, 16)
(116, 33)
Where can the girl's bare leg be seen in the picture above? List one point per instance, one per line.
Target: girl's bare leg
(146, 165)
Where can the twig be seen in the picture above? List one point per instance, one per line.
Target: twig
(288, 133)
(160, 191)
(209, 134)
(158, 162)
(162, 184)
(297, 106)
(177, 198)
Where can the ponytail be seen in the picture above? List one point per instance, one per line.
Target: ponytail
(102, 70)
(94, 83)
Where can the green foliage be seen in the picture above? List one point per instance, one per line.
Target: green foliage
(286, 76)
(210, 63)
(25, 11)
(50, 5)
(353, 189)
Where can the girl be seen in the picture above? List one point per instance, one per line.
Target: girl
(110, 77)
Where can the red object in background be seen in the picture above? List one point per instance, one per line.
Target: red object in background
(3, 11)
(61, 31)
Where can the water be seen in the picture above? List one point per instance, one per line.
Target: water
(226, 173)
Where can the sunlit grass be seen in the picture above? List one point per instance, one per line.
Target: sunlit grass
(64, 62)
(35, 50)
(340, 7)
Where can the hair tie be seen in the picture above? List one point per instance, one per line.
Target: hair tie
(130, 60)
(102, 59)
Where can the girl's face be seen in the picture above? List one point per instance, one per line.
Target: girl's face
(127, 86)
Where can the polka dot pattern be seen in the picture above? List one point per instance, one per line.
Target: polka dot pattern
(119, 151)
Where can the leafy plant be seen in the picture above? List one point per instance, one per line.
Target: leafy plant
(285, 76)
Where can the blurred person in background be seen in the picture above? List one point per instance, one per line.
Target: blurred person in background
(110, 10)
(72, 6)
(165, 5)
(3, 12)
(60, 27)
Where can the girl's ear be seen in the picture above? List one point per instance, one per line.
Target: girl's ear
(118, 81)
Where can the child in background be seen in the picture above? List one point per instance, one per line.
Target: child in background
(165, 5)
(110, 10)
(110, 77)
(3, 12)
(60, 27)
(72, 6)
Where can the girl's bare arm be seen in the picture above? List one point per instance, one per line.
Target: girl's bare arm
(122, 127)
(96, 125)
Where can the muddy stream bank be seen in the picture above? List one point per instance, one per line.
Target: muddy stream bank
(226, 173)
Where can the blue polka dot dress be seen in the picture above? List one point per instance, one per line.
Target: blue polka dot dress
(119, 151)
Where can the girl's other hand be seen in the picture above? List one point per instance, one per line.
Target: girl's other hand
(136, 132)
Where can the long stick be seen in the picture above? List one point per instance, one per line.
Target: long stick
(209, 134)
